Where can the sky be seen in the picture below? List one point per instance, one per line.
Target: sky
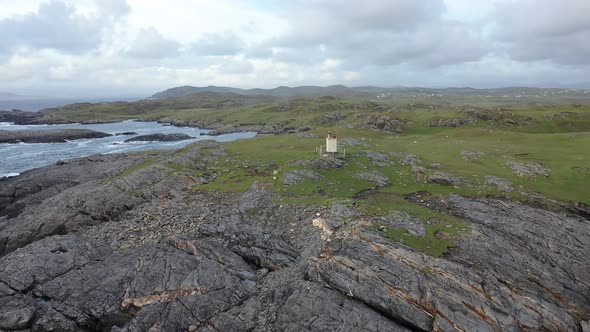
(100, 48)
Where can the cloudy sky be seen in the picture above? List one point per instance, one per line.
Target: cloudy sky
(89, 48)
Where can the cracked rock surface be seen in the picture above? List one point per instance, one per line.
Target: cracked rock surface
(96, 251)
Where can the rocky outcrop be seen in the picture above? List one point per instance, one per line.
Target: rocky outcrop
(378, 178)
(528, 169)
(48, 136)
(450, 122)
(270, 129)
(168, 258)
(19, 117)
(379, 159)
(499, 116)
(410, 160)
(31, 118)
(444, 179)
(296, 176)
(384, 122)
(160, 138)
(473, 156)
(502, 184)
(332, 117)
(31, 188)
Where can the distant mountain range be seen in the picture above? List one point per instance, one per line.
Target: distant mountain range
(340, 90)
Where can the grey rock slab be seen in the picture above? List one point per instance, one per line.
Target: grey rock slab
(444, 179)
(529, 169)
(502, 184)
(410, 160)
(296, 176)
(328, 163)
(420, 291)
(403, 220)
(32, 187)
(379, 159)
(80, 206)
(332, 117)
(471, 155)
(450, 122)
(16, 312)
(378, 178)
(343, 210)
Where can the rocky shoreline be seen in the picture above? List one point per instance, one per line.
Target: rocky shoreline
(120, 243)
(217, 128)
(48, 136)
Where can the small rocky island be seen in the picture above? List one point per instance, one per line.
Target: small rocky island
(48, 136)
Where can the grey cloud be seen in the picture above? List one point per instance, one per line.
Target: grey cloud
(328, 22)
(352, 15)
(226, 43)
(54, 26)
(432, 46)
(545, 30)
(381, 32)
(57, 26)
(151, 44)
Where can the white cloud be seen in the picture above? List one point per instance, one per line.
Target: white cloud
(559, 30)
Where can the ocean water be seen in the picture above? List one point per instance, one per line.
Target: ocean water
(17, 158)
(34, 105)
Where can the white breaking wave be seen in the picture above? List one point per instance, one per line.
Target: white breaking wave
(8, 175)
